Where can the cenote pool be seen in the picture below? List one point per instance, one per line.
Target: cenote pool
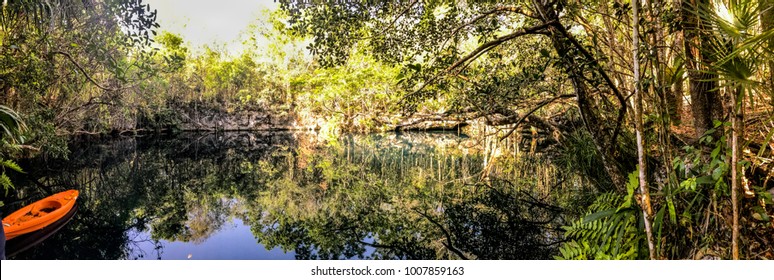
(304, 196)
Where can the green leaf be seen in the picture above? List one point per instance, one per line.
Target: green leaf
(12, 165)
(717, 173)
(400, 76)
(598, 215)
(715, 152)
(705, 180)
(659, 223)
(6, 183)
(672, 212)
(760, 214)
(630, 187)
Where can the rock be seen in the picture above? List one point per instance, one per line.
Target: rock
(201, 118)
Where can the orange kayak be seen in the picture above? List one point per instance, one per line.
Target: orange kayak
(39, 214)
(29, 240)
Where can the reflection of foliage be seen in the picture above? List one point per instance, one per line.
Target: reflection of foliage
(356, 197)
(98, 230)
(174, 190)
(389, 196)
(501, 222)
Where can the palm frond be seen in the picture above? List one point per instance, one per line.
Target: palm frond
(11, 124)
(736, 40)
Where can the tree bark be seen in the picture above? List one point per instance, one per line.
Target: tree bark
(736, 121)
(675, 95)
(673, 90)
(767, 22)
(571, 53)
(641, 157)
(657, 53)
(706, 104)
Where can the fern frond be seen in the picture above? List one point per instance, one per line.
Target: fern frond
(609, 232)
(11, 165)
(5, 182)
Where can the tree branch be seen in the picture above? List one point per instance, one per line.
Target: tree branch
(496, 10)
(613, 87)
(541, 105)
(88, 77)
(500, 40)
(389, 247)
(400, 15)
(484, 48)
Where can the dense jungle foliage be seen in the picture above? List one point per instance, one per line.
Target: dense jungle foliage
(665, 106)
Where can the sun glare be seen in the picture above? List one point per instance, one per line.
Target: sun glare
(722, 11)
(211, 23)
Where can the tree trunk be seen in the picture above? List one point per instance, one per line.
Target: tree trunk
(657, 52)
(736, 121)
(675, 98)
(675, 95)
(672, 96)
(603, 140)
(645, 202)
(706, 104)
(767, 22)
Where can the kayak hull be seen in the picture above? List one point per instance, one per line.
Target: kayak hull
(39, 214)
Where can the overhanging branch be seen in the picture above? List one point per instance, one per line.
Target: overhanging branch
(499, 40)
(483, 49)
(541, 105)
(496, 10)
(603, 73)
(88, 77)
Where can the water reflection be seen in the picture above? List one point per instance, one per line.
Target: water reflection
(282, 195)
(234, 241)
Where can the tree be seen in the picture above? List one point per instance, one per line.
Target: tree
(739, 46)
(67, 64)
(767, 23)
(431, 51)
(647, 211)
(706, 104)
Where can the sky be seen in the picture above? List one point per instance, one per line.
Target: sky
(207, 22)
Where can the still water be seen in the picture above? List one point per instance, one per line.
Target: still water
(304, 196)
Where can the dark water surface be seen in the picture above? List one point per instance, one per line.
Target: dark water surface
(302, 196)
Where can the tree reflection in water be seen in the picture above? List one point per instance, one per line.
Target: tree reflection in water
(385, 196)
